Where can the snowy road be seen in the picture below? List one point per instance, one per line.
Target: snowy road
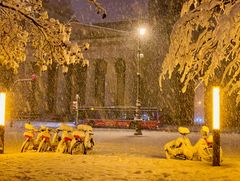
(118, 155)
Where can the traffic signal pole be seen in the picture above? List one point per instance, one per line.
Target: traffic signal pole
(76, 107)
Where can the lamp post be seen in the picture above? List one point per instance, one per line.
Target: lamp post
(137, 118)
(216, 126)
(2, 120)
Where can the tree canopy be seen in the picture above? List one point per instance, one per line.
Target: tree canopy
(205, 44)
(24, 25)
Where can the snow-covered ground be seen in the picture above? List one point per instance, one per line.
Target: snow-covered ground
(118, 155)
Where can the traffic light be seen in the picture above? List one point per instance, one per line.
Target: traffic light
(34, 77)
(75, 105)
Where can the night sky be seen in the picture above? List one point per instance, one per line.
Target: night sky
(117, 10)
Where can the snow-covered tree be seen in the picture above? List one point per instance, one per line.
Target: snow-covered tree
(205, 44)
(24, 25)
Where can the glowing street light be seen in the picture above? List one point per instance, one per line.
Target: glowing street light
(142, 31)
(216, 126)
(2, 120)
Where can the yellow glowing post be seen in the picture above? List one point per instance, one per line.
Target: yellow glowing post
(2, 120)
(216, 108)
(216, 126)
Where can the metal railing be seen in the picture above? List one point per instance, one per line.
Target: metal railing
(117, 113)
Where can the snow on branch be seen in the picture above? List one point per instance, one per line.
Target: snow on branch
(99, 8)
(24, 25)
(205, 44)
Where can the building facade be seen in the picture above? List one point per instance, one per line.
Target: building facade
(110, 79)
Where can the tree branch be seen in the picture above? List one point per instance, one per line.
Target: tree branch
(33, 20)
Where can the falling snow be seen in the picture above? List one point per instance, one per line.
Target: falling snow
(191, 44)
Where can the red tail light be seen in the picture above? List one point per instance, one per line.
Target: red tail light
(77, 137)
(46, 137)
(67, 139)
(28, 136)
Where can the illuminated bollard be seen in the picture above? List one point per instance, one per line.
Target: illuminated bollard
(2, 120)
(216, 126)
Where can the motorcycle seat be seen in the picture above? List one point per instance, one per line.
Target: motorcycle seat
(28, 134)
(65, 127)
(79, 134)
(84, 127)
(29, 126)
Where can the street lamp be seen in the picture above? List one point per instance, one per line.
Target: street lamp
(137, 118)
(141, 31)
(216, 126)
(2, 120)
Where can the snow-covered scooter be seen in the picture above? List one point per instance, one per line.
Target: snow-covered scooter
(181, 148)
(45, 137)
(203, 149)
(66, 138)
(30, 143)
(56, 139)
(83, 139)
(77, 143)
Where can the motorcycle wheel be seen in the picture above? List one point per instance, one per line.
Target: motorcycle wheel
(78, 148)
(181, 157)
(92, 143)
(25, 145)
(43, 146)
(62, 147)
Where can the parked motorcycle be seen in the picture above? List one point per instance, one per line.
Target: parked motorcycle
(77, 143)
(66, 138)
(56, 139)
(83, 139)
(204, 149)
(30, 143)
(180, 148)
(45, 137)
